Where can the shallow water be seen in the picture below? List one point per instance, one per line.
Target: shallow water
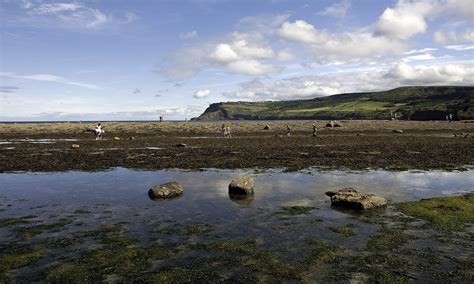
(120, 196)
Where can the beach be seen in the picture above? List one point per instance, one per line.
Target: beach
(195, 145)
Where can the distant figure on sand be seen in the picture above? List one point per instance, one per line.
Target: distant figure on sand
(288, 130)
(99, 130)
(228, 134)
(223, 131)
(314, 129)
(450, 117)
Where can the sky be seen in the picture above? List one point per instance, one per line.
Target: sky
(141, 59)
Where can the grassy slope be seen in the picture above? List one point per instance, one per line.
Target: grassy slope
(408, 102)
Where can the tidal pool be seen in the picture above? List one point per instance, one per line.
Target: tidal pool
(279, 228)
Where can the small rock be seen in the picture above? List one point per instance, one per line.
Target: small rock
(166, 190)
(330, 124)
(241, 185)
(267, 127)
(181, 145)
(116, 138)
(75, 146)
(132, 138)
(337, 124)
(397, 131)
(304, 154)
(352, 199)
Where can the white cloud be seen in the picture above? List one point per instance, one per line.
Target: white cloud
(305, 87)
(252, 67)
(463, 8)
(405, 20)
(301, 31)
(419, 57)
(72, 16)
(51, 78)
(327, 47)
(224, 53)
(202, 94)
(238, 52)
(454, 37)
(52, 8)
(337, 10)
(432, 75)
(461, 47)
(423, 50)
(188, 35)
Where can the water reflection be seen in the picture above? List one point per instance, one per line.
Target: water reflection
(243, 200)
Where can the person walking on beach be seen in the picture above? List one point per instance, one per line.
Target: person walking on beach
(314, 129)
(450, 117)
(223, 130)
(228, 134)
(98, 130)
(288, 130)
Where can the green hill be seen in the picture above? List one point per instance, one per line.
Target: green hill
(415, 103)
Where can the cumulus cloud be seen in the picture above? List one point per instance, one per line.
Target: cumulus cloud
(51, 78)
(238, 52)
(301, 31)
(402, 73)
(327, 47)
(200, 94)
(405, 20)
(432, 75)
(337, 10)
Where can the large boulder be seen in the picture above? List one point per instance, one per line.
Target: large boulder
(353, 199)
(241, 186)
(166, 190)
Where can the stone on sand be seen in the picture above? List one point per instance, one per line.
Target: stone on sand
(166, 190)
(242, 185)
(352, 199)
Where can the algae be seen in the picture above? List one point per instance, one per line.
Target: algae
(443, 213)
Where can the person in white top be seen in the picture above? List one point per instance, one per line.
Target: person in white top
(99, 129)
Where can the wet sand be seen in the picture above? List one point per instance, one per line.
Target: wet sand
(355, 145)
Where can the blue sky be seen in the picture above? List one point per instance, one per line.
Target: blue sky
(124, 60)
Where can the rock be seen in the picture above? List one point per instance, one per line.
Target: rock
(330, 124)
(116, 138)
(337, 124)
(353, 199)
(166, 190)
(397, 131)
(181, 145)
(267, 127)
(132, 138)
(241, 185)
(75, 146)
(304, 154)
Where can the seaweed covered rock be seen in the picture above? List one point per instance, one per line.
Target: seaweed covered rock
(242, 185)
(166, 190)
(352, 199)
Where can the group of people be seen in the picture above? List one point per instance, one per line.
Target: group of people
(225, 131)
